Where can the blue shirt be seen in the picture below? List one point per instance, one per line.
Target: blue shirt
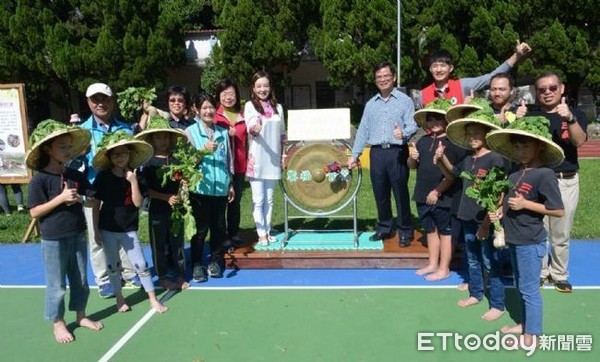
(98, 132)
(379, 119)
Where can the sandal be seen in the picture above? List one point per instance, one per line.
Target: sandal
(563, 286)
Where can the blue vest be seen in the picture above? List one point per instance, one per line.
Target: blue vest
(215, 166)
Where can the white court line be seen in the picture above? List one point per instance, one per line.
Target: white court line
(121, 342)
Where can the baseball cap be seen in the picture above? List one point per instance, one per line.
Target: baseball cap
(98, 88)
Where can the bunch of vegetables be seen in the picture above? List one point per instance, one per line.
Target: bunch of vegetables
(537, 125)
(487, 191)
(132, 99)
(186, 172)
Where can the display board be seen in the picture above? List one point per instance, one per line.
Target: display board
(14, 138)
(318, 124)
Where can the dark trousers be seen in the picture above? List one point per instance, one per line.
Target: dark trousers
(167, 248)
(233, 208)
(209, 213)
(389, 174)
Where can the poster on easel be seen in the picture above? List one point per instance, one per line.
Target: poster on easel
(13, 135)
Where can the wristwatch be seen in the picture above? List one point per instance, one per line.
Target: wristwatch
(572, 121)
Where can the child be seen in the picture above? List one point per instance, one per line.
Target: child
(117, 223)
(469, 133)
(433, 193)
(55, 199)
(167, 248)
(265, 123)
(210, 198)
(534, 194)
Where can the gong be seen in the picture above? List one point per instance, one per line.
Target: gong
(316, 176)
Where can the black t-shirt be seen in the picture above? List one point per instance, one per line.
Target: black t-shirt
(152, 178)
(429, 175)
(479, 166)
(64, 220)
(118, 213)
(560, 135)
(537, 184)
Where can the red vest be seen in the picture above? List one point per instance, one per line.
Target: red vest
(453, 93)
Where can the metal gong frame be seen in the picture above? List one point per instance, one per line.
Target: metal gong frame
(334, 213)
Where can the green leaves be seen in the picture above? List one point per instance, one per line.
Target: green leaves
(130, 100)
(488, 190)
(538, 125)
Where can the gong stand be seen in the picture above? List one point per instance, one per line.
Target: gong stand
(317, 183)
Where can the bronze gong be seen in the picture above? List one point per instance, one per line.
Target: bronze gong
(308, 180)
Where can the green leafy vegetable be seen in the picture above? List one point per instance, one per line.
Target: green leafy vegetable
(537, 125)
(131, 99)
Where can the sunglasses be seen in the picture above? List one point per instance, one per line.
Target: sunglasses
(178, 100)
(553, 88)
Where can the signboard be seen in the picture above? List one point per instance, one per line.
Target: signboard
(318, 124)
(13, 135)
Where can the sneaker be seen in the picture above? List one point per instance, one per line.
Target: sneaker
(563, 286)
(272, 239)
(20, 208)
(214, 270)
(199, 274)
(106, 291)
(134, 282)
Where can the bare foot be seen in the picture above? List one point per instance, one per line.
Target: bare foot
(85, 322)
(61, 333)
(515, 329)
(467, 302)
(437, 276)
(426, 270)
(158, 306)
(492, 314)
(463, 286)
(182, 282)
(122, 306)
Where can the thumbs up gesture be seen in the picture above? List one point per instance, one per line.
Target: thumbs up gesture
(563, 110)
(397, 131)
(470, 97)
(517, 202)
(69, 195)
(522, 49)
(522, 109)
(439, 152)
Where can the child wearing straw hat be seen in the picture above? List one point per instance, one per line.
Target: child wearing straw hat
(117, 186)
(167, 247)
(433, 193)
(56, 195)
(534, 194)
(469, 133)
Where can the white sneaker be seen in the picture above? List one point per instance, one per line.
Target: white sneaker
(20, 208)
(263, 242)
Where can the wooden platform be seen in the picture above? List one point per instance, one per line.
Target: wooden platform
(391, 257)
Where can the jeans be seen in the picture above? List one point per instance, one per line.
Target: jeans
(527, 265)
(66, 257)
(481, 255)
(112, 242)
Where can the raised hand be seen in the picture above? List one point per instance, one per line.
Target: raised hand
(210, 146)
(522, 109)
(69, 195)
(470, 97)
(563, 110)
(414, 153)
(439, 152)
(398, 131)
(522, 49)
(130, 175)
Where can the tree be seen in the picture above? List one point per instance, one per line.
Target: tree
(71, 44)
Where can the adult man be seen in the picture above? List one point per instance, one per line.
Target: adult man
(441, 67)
(501, 93)
(101, 102)
(387, 124)
(568, 127)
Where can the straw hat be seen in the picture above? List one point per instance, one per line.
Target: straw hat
(456, 130)
(158, 124)
(438, 106)
(462, 110)
(533, 127)
(140, 151)
(48, 130)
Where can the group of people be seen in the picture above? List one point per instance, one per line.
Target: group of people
(94, 177)
(535, 145)
(103, 166)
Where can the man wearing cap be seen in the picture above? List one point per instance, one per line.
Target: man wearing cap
(569, 130)
(101, 121)
(441, 67)
(387, 124)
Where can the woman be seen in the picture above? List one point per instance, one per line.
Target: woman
(178, 100)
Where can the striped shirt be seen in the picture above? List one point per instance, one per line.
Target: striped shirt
(379, 119)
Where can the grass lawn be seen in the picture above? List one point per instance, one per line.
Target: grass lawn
(12, 228)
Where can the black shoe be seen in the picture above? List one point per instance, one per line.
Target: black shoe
(382, 236)
(215, 270)
(563, 286)
(405, 241)
(199, 274)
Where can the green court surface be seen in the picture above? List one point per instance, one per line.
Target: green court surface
(355, 324)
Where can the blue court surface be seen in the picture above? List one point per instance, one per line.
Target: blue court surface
(21, 265)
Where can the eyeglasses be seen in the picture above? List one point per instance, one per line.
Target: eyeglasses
(553, 88)
(176, 100)
(228, 94)
(384, 77)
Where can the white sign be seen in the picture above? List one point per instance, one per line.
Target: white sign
(318, 124)
(13, 134)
